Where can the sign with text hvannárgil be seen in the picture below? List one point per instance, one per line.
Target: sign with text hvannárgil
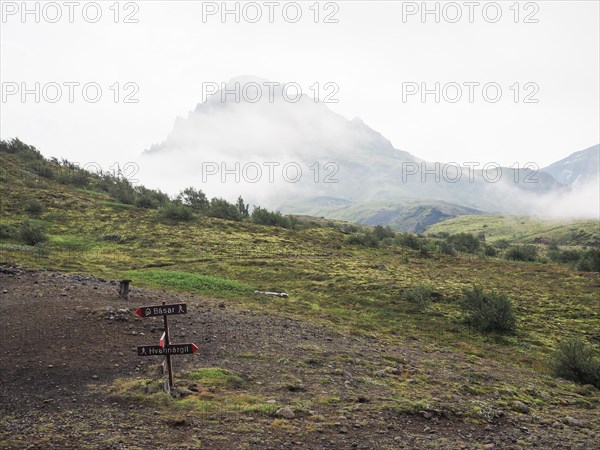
(171, 349)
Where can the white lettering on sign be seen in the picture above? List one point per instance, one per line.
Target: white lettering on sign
(160, 310)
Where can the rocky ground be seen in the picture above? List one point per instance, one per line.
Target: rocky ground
(68, 346)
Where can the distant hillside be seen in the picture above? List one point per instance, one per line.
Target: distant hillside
(408, 215)
(524, 230)
(577, 169)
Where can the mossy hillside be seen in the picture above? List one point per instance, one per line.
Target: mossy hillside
(523, 230)
(355, 288)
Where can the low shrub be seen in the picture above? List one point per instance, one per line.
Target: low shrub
(565, 256)
(590, 261)
(420, 296)
(176, 212)
(31, 234)
(382, 233)
(488, 312)
(446, 248)
(222, 209)
(502, 244)
(408, 240)
(522, 253)
(263, 216)
(490, 251)
(366, 239)
(465, 242)
(33, 207)
(577, 361)
(7, 231)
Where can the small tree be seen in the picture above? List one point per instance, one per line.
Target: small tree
(488, 311)
(194, 198)
(242, 208)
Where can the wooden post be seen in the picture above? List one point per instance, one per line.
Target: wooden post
(168, 386)
(124, 289)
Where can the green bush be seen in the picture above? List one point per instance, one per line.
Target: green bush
(222, 209)
(195, 199)
(408, 240)
(465, 242)
(33, 207)
(177, 213)
(577, 361)
(382, 233)
(424, 250)
(31, 234)
(22, 150)
(522, 253)
(502, 244)
(420, 296)
(149, 198)
(41, 168)
(446, 248)
(7, 231)
(565, 256)
(366, 239)
(490, 251)
(70, 174)
(263, 216)
(590, 261)
(488, 311)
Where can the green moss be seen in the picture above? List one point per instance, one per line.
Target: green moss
(214, 376)
(190, 282)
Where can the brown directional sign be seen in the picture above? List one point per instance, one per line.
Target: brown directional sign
(172, 349)
(162, 310)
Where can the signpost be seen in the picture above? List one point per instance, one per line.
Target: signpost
(165, 348)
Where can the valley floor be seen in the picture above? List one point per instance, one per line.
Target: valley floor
(71, 378)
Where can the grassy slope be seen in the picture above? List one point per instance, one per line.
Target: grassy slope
(523, 229)
(327, 280)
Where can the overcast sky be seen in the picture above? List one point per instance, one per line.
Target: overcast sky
(374, 53)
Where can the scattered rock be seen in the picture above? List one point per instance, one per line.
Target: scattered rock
(381, 373)
(586, 389)
(521, 407)
(428, 415)
(183, 392)
(285, 412)
(572, 422)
